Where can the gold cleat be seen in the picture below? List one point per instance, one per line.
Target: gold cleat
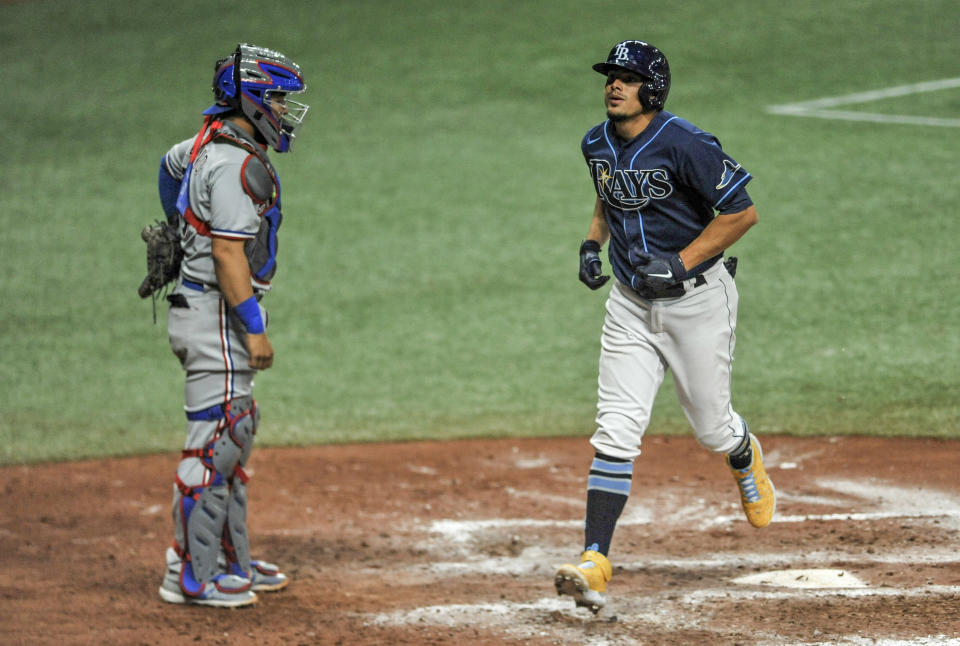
(757, 495)
(587, 582)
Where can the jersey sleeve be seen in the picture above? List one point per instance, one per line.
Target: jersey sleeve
(714, 175)
(176, 160)
(170, 177)
(233, 214)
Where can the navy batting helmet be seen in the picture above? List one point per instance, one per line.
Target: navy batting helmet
(647, 61)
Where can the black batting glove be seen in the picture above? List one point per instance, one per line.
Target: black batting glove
(658, 273)
(590, 265)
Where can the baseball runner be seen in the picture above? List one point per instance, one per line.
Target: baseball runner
(220, 189)
(670, 201)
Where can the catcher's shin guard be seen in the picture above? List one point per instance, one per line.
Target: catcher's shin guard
(204, 512)
(211, 516)
(236, 543)
(265, 577)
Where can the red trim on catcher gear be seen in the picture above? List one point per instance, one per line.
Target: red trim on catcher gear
(182, 553)
(199, 142)
(233, 420)
(197, 453)
(212, 130)
(238, 472)
(226, 590)
(186, 490)
(202, 139)
(229, 551)
(202, 227)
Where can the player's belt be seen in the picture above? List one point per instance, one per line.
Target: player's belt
(200, 287)
(189, 284)
(197, 286)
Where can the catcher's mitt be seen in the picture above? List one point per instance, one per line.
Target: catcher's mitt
(163, 258)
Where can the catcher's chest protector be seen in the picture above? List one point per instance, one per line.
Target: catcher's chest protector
(260, 183)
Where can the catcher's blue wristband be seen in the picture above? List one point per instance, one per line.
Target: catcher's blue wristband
(249, 313)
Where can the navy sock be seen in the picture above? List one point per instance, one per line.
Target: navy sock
(607, 490)
(742, 456)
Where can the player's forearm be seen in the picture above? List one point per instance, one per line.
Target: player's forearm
(719, 235)
(599, 229)
(233, 272)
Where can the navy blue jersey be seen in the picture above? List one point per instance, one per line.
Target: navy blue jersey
(662, 188)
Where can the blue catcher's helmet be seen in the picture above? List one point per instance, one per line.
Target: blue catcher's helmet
(646, 60)
(257, 81)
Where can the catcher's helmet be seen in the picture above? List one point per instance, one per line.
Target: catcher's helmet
(256, 81)
(647, 61)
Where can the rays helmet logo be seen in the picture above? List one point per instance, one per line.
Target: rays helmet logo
(629, 189)
(622, 53)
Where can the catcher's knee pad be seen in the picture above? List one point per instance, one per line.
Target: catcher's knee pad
(232, 439)
(236, 543)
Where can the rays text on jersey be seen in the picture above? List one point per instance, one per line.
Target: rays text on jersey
(628, 188)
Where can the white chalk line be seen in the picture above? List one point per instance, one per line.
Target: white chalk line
(930, 640)
(920, 555)
(842, 516)
(730, 594)
(893, 501)
(464, 531)
(875, 95)
(534, 561)
(820, 108)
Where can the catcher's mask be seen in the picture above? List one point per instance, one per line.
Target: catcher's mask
(257, 82)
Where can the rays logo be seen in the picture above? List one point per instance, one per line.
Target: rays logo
(622, 53)
(629, 189)
(729, 170)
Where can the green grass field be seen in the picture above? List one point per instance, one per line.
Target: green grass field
(435, 203)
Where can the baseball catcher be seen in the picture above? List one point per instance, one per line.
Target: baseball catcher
(222, 194)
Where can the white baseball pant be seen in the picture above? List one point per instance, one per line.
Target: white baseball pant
(692, 335)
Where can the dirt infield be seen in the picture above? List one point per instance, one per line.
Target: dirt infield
(455, 543)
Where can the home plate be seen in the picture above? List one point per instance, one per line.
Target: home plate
(803, 579)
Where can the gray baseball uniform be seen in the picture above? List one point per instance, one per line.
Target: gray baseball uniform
(221, 191)
(208, 337)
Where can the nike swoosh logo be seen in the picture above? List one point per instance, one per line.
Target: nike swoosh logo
(591, 141)
(660, 275)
